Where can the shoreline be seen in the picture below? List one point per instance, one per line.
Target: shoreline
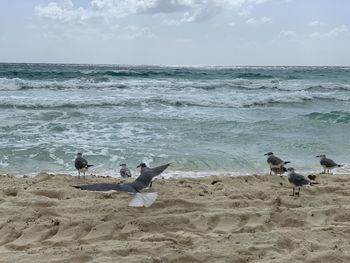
(211, 219)
(169, 173)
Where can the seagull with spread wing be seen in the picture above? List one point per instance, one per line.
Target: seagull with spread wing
(140, 199)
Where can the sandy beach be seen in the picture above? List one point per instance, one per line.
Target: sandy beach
(214, 219)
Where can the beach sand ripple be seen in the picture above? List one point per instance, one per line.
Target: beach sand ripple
(213, 219)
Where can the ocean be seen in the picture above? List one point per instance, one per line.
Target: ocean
(204, 120)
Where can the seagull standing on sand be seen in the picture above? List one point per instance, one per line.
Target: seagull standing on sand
(327, 163)
(297, 180)
(280, 170)
(125, 171)
(81, 164)
(275, 162)
(141, 182)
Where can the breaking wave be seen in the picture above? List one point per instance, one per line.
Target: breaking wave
(330, 117)
(234, 100)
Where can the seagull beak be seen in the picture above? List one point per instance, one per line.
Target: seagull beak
(138, 166)
(318, 156)
(265, 154)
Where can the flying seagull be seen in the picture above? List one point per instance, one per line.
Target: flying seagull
(275, 163)
(125, 171)
(81, 164)
(327, 163)
(141, 182)
(297, 180)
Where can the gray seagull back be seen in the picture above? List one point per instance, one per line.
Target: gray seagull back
(80, 163)
(274, 160)
(328, 162)
(125, 172)
(298, 179)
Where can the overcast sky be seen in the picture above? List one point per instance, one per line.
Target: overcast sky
(176, 32)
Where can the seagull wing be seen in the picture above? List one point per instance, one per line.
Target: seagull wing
(328, 162)
(125, 172)
(298, 180)
(139, 199)
(146, 176)
(104, 187)
(152, 172)
(274, 160)
(80, 163)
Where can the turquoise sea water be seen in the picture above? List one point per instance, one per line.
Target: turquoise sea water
(203, 119)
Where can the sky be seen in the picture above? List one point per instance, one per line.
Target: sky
(176, 32)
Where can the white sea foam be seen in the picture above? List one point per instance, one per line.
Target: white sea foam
(222, 100)
(206, 120)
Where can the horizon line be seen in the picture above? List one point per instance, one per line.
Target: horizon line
(165, 65)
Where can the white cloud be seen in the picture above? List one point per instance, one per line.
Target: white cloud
(232, 24)
(262, 20)
(201, 14)
(246, 11)
(133, 32)
(251, 21)
(65, 11)
(265, 20)
(287, 33)
(340, 30)
(106, 10)
(171, 22)
(316, 23)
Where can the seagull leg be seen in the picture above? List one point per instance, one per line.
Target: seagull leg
(78, 174)
(293, 192)
(298, 193)
(270, 171)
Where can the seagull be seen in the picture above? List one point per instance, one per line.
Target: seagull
(125, 171)
(275, 162)
(141, 182)
(280, 170)
(297, 180)
(327, 163)
(81, 164)
(149, 173)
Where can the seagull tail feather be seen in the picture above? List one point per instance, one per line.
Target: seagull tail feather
(286, 162)
(143, 199)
